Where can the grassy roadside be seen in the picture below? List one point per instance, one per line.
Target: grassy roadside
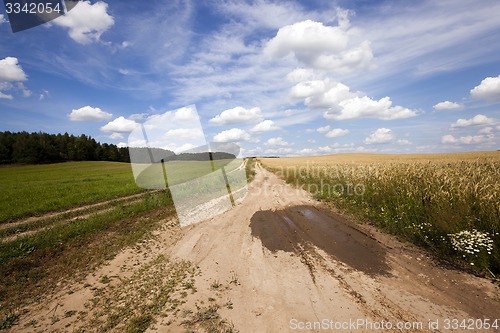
(449, 204)
(35, 224)
(37, 189)
(250, 169)
(32, 266)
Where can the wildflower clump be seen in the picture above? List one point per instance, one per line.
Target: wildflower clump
(472, 244)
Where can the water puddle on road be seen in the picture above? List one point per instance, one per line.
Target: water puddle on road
(287, 220)
(309, 214)
(305, 227)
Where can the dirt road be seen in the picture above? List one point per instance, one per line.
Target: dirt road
(278, 262)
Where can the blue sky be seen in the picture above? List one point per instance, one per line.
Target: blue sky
(276, 77)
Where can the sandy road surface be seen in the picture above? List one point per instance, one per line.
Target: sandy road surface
(281, 260)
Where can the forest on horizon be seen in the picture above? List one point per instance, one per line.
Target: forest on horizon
(43, 148)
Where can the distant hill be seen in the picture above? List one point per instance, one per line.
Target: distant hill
(40, 148)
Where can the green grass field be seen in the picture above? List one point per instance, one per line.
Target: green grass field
(36, 189)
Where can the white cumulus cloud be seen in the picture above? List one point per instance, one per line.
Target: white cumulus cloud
(11, 77)
(307, 89)
(2, 19)
(88, 113)
(86, 22)
(365, 107)
(474, 139)
(468, 139)
(22, 88)
(486, 130)
(265, 126)
(447, 105)
(381, 135)
(476, 120)
(320, 46)
(278, 151)
(120, 125)
(300, 74)
(237, 115)
(277, 142)
(11, 71)
(323, 129)
(184, 133)
(188, 113)
(336, 132)
(115, 136)
(448, 139)
(403, 142)
(5, 96)
(233, 134)
(307, 151)
(336, 148)
(489, 89)
(341, 103)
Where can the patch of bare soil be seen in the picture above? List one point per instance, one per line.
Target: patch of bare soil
(278, 262)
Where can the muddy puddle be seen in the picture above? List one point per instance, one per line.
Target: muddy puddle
(302, 228)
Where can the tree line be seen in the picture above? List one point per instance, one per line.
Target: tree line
(40, 148)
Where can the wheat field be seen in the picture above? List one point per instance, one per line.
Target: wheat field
(449, 203)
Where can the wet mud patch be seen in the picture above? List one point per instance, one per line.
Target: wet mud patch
(299, 229)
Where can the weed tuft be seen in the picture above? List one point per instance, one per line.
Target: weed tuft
(8, 321)
(139, 324)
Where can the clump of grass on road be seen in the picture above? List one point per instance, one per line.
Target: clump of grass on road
(250, 168)
(449, 203)
(208, 319)
(133, 304)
